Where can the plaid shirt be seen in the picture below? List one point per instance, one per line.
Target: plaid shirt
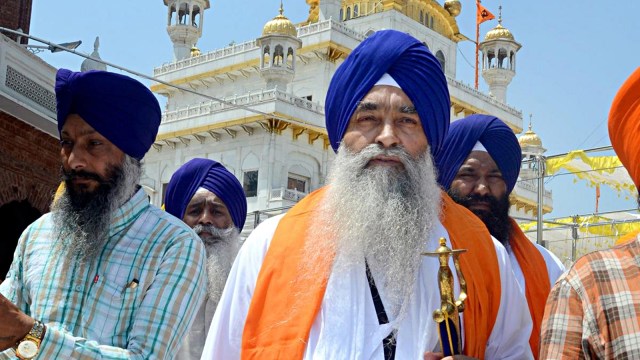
(593, 311)
(98, 311)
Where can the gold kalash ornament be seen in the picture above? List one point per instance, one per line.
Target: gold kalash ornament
(448, 315)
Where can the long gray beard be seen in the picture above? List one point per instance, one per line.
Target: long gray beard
(82, 232)
(221, 254)
(381, 214)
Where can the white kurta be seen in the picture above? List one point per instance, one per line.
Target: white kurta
(347, 327)
(555, 267)
(193, 343)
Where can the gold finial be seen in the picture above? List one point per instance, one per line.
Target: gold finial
(530, 117)
(281, 8)
(500, 14)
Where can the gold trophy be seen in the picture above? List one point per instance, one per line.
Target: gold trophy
(448, 315)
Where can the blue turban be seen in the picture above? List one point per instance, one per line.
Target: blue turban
(118, 107)
(410, 64)
(499, 140)
(212, 176)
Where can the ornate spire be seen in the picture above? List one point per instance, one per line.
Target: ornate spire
(281, 8)
(500, 14)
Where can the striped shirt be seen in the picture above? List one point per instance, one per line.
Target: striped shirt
(593, 311)
(136, 300)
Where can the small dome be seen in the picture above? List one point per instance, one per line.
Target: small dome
(453, 7)
(499, 32)
(280, 25)
(90, 64)
(195, 51)
(530, 138)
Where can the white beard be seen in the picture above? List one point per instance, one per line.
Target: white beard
(220, 257)
(382, 214)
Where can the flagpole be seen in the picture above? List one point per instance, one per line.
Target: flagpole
(477, 46)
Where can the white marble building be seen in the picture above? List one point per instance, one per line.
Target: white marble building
(269, 129)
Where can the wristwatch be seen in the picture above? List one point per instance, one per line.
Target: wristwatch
(28, 347)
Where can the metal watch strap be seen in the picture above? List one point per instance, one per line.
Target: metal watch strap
(34, 335)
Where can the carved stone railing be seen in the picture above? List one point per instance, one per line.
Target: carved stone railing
(249, 99)
(214, 55)
(286, 194)
(475, 93)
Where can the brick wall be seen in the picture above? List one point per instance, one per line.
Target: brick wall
(29, 163)
(15, 14)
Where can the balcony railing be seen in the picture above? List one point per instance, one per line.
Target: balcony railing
(252, 98)
(286, 194)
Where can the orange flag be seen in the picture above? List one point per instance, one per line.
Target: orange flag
(483, 14)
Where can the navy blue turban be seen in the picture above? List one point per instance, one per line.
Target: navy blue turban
(410, 64)
(118, 107)
(212, 176)
(499, 140)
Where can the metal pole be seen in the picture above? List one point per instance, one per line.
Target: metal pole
(541, 171)
(574, 238)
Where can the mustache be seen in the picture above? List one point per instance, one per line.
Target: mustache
(371, 151)
(70, 175)
(216, 233)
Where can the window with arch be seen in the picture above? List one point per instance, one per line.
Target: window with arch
(341, 14)
(355, 11)
(195, 16)
(250, 183)
(265, 56)
(278, 56)
(421, 16)
(348, 13)
(441, 59)
(172, 12)
(183, 14)
(290, 58)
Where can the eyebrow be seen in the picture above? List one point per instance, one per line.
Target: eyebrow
(83, 132)
(408, 109)
(366, 106)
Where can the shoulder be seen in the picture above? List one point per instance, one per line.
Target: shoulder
(555, 267)
(166, 229)
(258, 242)
(604, 269)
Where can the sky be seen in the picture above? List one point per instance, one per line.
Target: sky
(574, 57)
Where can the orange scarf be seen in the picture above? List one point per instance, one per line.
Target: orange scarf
(536, 278)
(268, 336)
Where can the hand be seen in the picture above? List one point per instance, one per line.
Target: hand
(440, 356)
(14, 324)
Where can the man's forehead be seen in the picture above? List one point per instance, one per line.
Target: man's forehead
(203, 194)
(480, 158)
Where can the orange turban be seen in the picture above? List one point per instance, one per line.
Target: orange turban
(624, 125)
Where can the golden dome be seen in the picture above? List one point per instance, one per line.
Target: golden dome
(195, 51)
(280, 25)
(453, 7)
(499, 32)
(530, 138)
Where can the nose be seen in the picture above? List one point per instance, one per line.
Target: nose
(76, 158)
(387, 137)
(206, 218)
(481, 188)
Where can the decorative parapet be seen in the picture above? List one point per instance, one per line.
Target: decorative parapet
(250, 99)
(286, 194)
(236, 49)
(475, 93)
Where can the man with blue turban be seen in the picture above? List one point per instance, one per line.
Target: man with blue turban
(105, 274)
(341, 275)
(211, 200)
(479, 165)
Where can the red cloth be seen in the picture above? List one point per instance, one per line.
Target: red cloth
(624, 125)
(536, 279)
(267, 333)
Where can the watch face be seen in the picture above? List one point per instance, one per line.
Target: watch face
(27, 349)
